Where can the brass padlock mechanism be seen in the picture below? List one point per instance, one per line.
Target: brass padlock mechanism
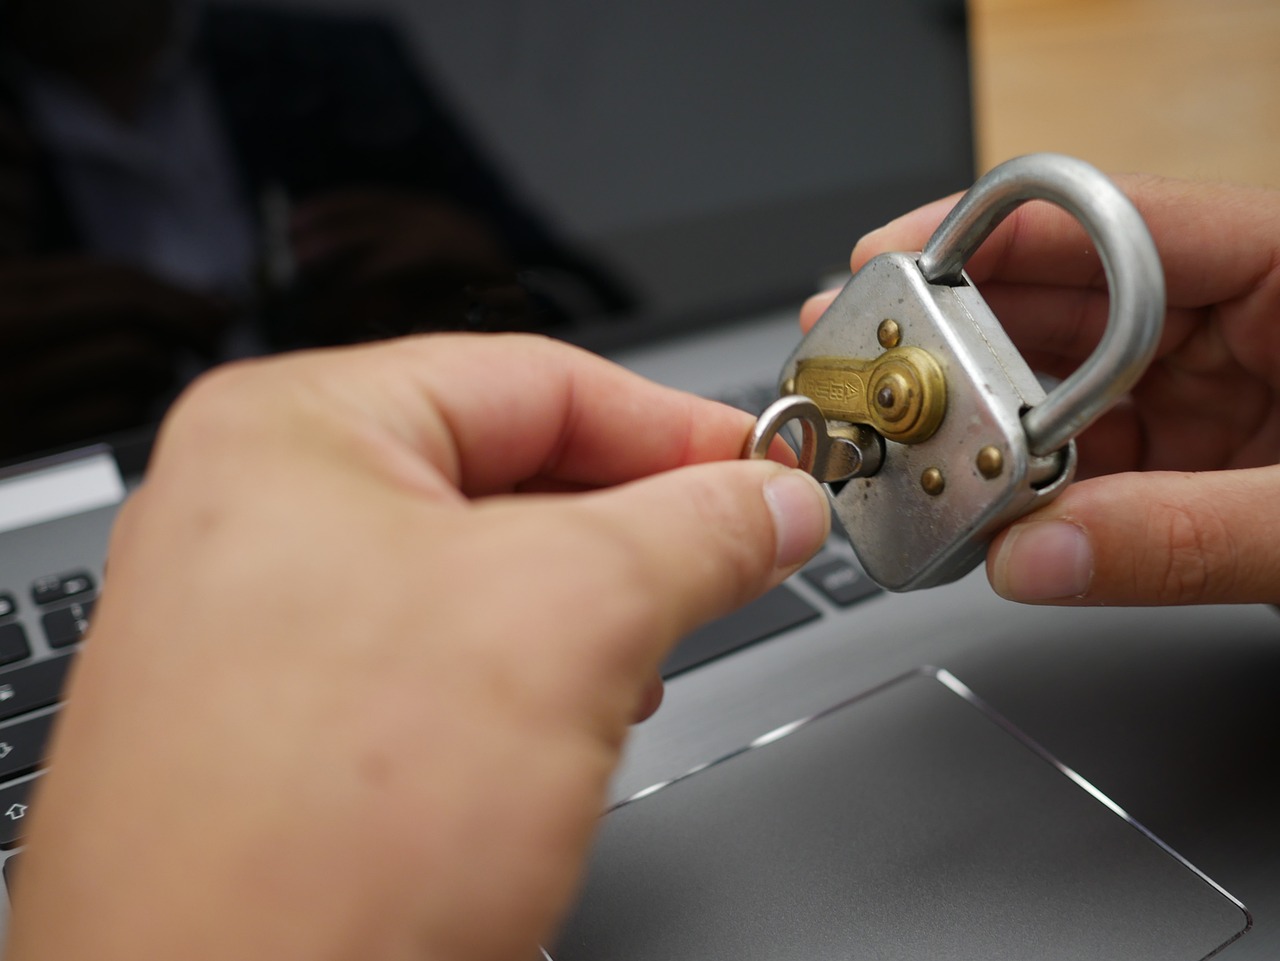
(902, 393)
(953, 435)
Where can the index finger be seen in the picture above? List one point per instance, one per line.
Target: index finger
(494, 413)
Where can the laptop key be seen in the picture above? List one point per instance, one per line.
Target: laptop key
(22, 746)
(13, 643)
(67, 624)
(32, 687)
(7, 604)
(61, 587)
(841, 582)
(777, 611)
(15, 804)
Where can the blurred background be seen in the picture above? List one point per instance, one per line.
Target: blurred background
(183, 182)
(1188, 88)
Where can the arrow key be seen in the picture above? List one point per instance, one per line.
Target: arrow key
(14, 807)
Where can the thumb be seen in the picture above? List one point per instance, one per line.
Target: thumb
(701, 540)
(1147, 538)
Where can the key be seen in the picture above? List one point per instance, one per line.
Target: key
(831, 454)
(32, 687)
(59, 587)
(13, 643)
(14, 808)
(840, 581)
(67, 625)
(22, 746)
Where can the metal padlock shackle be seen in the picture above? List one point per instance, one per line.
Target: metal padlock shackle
(1135, 279)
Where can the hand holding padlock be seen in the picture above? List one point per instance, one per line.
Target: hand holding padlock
(942, 433)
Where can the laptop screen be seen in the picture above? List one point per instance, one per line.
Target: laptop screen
(185, 182)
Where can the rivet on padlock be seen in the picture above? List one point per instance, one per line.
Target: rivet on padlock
(910, 349)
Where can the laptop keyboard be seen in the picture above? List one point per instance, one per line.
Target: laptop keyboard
(27, 692)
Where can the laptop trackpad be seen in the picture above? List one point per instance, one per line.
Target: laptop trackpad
(907, 823)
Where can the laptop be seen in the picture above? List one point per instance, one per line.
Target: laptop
(836, 771)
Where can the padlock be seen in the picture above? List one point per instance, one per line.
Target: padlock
(963, 438)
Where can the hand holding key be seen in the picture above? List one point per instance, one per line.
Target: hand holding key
(1203, 424)
(372, 634)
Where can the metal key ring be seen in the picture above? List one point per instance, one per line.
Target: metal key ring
(1134, 278)
(828, 458)
(815, 445)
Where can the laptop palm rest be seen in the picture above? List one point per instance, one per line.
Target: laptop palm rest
(909, 822)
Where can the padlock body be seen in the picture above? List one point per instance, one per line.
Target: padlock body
(927, 516)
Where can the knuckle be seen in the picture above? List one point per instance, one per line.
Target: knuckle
(217, 397)
(1198, 553)
(235, 408)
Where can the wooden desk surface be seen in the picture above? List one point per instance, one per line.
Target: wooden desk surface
(1188, 88)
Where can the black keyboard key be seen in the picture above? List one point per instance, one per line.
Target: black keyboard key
(15, 804)
(67, 624)
(11, 869)
(840, 581)
(22, 746)
(32, 687)
(7, 605)
(780, 609)
(60, 587)
(13, 643)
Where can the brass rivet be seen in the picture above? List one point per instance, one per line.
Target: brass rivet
(889, 334)
(788, 386)
(990, 462)
(933, 482)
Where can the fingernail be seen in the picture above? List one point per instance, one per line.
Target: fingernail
(1043, 561)
(801, 517)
